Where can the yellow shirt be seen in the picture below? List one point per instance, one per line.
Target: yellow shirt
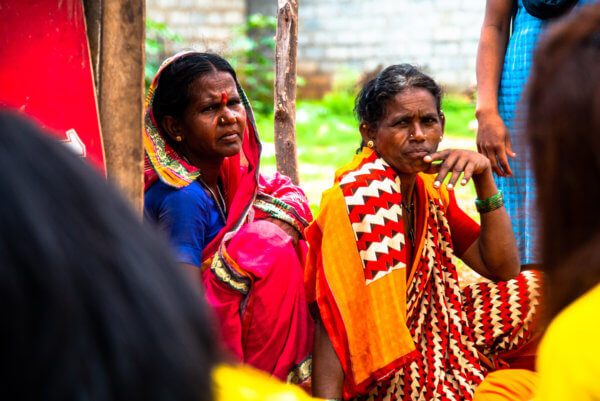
(569, 354)
(242, 383)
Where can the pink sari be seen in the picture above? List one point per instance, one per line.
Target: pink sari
(252, 274)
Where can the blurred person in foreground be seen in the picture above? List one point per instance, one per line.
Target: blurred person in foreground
(563, 129)
(95, 307)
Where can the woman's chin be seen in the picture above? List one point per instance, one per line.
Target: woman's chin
(413, 168)
(231, 150)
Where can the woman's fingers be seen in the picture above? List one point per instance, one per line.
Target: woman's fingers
(459, 167)
(467, 174)
(508, 151)
(432, 169)
(437, 156)
(446, 166)
(491, 155)
(455, 162)
(503, 163)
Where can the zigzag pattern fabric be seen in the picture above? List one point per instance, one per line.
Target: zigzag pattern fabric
(373, 200)
(451, 326)
(494, 309)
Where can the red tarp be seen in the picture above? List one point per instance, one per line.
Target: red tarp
(45, 71)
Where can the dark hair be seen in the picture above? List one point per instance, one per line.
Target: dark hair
(172, 95)
(371, 101)
(94, 307)
(563, 127)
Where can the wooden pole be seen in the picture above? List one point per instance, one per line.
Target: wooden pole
(121, 94)
(285, 88)
(93, 27)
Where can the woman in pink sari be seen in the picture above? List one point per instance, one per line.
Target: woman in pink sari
(236, 231)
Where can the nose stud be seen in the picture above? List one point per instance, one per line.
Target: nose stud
(222, 120)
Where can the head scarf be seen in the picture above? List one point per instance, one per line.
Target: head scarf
(239, 173)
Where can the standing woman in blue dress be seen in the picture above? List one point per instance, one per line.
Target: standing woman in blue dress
(504, 61)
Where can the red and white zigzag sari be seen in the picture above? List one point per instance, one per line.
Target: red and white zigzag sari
(451, 330)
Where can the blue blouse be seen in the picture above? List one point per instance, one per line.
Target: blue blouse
(188, 216)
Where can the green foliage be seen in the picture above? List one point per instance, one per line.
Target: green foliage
(459, 110)
(252, 57)
(157, 35)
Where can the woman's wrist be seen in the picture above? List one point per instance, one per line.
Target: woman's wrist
(486, 112)
(485, 186)
(490, 204)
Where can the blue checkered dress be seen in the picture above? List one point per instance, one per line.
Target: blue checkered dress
(519, 190)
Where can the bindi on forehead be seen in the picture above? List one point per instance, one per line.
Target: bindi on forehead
(223, 98)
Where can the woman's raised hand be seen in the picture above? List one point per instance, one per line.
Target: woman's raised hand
(493, 141)
(457, 162)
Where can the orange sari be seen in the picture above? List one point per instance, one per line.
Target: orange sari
(416, 337)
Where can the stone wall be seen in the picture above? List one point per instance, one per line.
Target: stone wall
(441, 36)
(203, 24)
(438, 35)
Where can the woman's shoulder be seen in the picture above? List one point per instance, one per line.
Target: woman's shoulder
(160, 193)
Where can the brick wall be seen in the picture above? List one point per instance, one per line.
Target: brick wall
(203, 24)
(438, 35)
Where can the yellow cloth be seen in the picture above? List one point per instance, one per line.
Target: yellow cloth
(507, 385)
(242, 383)
(569, 354)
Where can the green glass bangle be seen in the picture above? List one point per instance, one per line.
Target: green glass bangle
(492, 203)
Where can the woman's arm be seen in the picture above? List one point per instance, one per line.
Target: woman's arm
(293, 215)
(327, 372)
(281, 187)
(494, 254)
(193, 272)
(493, 138)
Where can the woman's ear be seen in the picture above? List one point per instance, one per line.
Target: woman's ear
(172, 128)
(366, 132)
(443, 121)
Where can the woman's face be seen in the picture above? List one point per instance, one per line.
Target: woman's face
(410, 129)
(213, 124)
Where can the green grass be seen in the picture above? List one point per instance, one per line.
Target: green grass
(459, 111)
(326, 131)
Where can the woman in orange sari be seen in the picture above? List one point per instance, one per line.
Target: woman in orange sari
(393, 322)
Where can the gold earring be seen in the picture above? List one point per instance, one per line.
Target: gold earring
(178, 138)
(370, 144)
(363, 126)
